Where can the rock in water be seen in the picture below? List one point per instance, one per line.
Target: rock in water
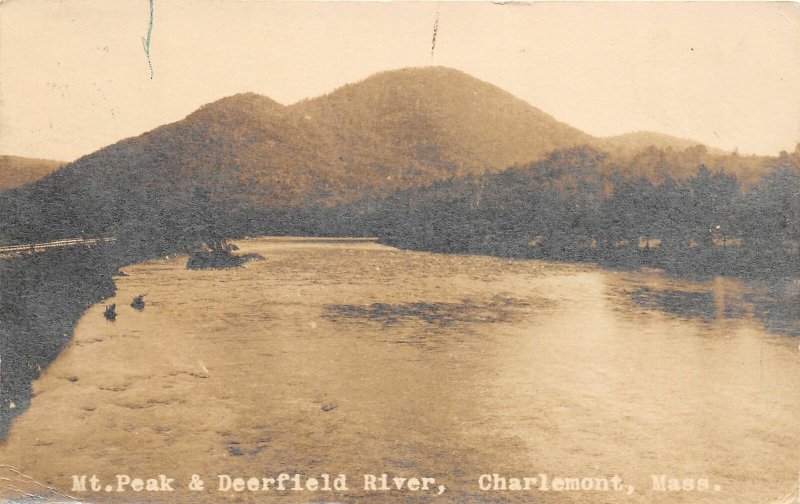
(111, 313)
(138, 302)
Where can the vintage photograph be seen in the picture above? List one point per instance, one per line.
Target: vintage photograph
(399, 252)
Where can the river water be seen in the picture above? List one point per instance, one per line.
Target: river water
(348, 357)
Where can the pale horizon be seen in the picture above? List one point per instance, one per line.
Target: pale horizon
(74, 77)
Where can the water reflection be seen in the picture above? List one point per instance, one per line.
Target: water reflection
(498, 309)
(776, 305)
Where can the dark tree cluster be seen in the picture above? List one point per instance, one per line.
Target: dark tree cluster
(570, 207)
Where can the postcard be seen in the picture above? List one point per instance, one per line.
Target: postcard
(399, 252)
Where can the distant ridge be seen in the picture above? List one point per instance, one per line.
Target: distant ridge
(16, 171)
(638, 140)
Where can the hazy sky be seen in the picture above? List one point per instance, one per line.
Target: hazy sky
(74, 76)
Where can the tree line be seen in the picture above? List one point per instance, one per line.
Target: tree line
(572, 207)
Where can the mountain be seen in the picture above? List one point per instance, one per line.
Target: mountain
(392, 131)
(638, 140)
(16, 171)
(436, 117)
(395, 130)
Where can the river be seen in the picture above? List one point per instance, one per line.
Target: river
(348, 357)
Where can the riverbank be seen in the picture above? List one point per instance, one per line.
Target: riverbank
(42, 296)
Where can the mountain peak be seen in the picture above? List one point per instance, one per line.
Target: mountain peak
(440, 73)
(249, 104)
(246, 99)
(418, 81)
(440, 116)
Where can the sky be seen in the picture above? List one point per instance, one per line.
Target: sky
(74, 75)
